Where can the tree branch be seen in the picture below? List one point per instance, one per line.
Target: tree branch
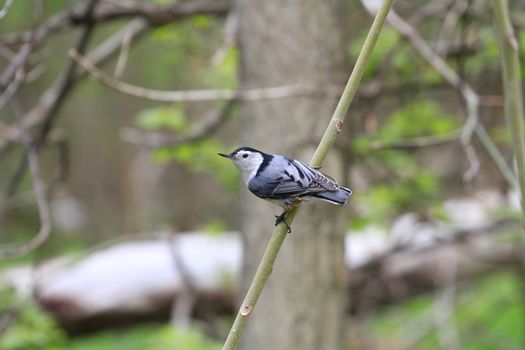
(334, 128)
(158, 14)
(416, 142)
(5, 8)
(512, 88)
(154, 15)
(274, 92)
(68, 78)
(470, 97)
(11, 250)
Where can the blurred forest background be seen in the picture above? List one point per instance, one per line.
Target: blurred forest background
(121, 228)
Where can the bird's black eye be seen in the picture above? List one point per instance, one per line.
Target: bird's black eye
(245, 155)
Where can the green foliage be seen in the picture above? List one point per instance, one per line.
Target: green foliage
(489, 314)
(417, 191)
(393, 60)
(216, 226)
(387, 41)
(28, 328)
(145, 337)
(170, 338)
(202, 157)
(487, 54)
(420, 118)
(223, 74)
(416, 119)
(171, 117)
(409, 187)
(187, 50)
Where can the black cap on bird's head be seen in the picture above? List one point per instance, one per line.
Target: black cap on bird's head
(232, 154)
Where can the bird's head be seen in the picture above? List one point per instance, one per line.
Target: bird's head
(247, 159)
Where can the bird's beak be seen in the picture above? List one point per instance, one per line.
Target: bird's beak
(229, 156)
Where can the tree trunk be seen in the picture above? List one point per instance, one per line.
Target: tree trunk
(288, 42)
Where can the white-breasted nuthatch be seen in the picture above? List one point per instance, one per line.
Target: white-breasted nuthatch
(284, 181)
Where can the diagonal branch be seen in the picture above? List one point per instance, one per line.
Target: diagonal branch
(68, 79)
(43, 211)
(5, 8)
(159, 14)
(11, 250)
(470, 97)
(334, 128)
(416, 142)
(154, 15)
(49, 115)
(512, 88)
(274, 92)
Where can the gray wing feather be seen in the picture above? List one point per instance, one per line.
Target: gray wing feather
(292, 179)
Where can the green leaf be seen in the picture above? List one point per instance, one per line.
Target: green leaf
(172, 117)
(202, 157)
(417, 119)
(31, 328)
(385, 44)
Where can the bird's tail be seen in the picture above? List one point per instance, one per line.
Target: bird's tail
(339, 197)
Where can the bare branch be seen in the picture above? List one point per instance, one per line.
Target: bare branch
(275, 92)
(67, 80)
(11, 250)
(470, 97)
(154, 15)
(449, 24)
(5, 8)
(159, 14)
(15, 65)
(123, 55)
(100, 54)
(12, 87)
(43, 212)
(416, 142)
(429, 9)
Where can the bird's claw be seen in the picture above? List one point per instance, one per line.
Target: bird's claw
(280, 218)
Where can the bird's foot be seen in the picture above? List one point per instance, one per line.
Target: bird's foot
(280, 218)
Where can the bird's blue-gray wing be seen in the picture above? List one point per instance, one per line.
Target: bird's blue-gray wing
(293, 180)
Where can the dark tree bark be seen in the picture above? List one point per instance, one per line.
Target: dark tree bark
(286, 42)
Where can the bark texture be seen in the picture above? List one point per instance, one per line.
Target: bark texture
(286, 42)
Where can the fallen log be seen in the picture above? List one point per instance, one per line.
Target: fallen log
(141, 280)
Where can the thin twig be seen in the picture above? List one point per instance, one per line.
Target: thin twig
(449, 25)
(5, 8)
(160, 14)
(102, 53)
(11, 250)
(68, 79)
(512, 88)
(48, 118)
(123, 55)
(470, 97)
(416, 142)
(154, 15)
(334, 128)
(429, 9)
(468, 94)
(13, 87)
(43, 212)
(274, 92)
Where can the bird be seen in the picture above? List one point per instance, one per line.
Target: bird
(284, 181)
